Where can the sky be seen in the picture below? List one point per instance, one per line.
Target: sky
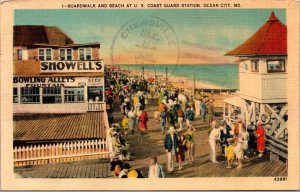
(197, 36)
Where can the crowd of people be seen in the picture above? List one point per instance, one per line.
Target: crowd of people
(236, 143)
(175, 113)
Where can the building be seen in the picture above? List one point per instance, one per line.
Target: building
(52, 74)
(58, 97)
(263, 83)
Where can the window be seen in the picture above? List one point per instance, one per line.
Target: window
(85, 54)
(95, 93)
(62, 54)
(81, 54)
(45, 54)
(15, 95)
(254, 66)
(276, 66)
(88, 54)
(246, 66)
(74, 94)
(19, 54)
(65, 54)
(41, 54)
(52, 95)
(30, 95)
(69, 54)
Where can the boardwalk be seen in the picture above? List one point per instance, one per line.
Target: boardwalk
(152, 144)
(80, 169)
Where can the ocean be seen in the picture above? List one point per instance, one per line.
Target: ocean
(223, 75)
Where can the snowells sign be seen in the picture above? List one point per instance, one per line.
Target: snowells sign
(71, 66)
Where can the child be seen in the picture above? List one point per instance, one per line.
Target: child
(238, 151)
(229, 153)
(125, 124)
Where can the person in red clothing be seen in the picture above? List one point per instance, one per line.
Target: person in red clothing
(238, 126)
(143, 119)
(260, 135)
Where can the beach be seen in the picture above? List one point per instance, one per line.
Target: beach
(176, 81)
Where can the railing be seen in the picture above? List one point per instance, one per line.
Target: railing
(96, 106)
(60, 152)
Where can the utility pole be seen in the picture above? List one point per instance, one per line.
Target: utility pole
(194, 85)
(166, 77)
(155, 74)
(143, 71)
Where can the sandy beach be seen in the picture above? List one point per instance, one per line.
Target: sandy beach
(175, 81)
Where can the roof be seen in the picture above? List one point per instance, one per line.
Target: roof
(95, 44)
(270, 39)
(54, 127)
(28, 35)
(235, 101)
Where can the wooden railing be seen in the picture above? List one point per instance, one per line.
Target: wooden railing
(60, 152)
(96, 106)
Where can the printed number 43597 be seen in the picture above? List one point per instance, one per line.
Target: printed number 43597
(280, 179)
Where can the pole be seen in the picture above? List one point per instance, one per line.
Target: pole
(194, 86)
(155, 73)
(143, 71)
(166, 77)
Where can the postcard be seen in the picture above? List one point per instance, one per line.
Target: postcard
(150, 95)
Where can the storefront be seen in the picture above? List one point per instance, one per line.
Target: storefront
(56, 94)
(52, 74)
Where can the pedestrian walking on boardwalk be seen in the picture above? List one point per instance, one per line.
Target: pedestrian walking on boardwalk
(143, 119)
(132, 119)
(260, 135)
(190, 143)
(171, 146)
(214, 136)
(180, 155)
(155, 170)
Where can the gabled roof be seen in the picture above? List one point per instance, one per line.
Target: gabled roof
(270, 39)
(28, 35)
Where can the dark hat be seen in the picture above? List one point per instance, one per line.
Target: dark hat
(126, 166)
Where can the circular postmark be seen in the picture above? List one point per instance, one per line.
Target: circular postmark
(145, 41)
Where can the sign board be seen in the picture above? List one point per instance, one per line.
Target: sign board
(57, 81)
(71, 66)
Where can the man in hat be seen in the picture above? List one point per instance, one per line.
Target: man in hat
(171, 146)
(224, 135)
(214, 136)
(252, 138)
